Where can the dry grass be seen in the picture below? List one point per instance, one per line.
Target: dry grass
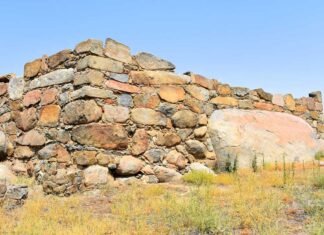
(244, 202)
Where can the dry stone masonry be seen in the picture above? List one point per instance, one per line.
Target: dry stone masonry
(85, 117)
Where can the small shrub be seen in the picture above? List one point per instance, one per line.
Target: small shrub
(319, 181)
(199, 178)
(255, 164)
(319, 155)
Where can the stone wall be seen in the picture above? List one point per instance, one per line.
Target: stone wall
(82, 117)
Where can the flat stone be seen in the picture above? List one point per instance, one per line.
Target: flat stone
(224, 90)
(31, 69)
(84, 158)
(49, 96)
(17, 192)
(140, 142)
(32, 97)
(91, 92)
(196, 166)
(177, 159)
(278, 99)
(32, 138)
(229, 101)
(118, 51)
(90, 46)
(23, 152)
(115, 114)
(16, 88)
(263, 106)
(172, 94)
(150, 62)
(196, 148)
(198, 92)
(129, 165)
(125, 100)
(102, 136)
(244, 134)
(60, 76)
(120, 77)
(26, 120)
(95, 175)
(166, 174)
(49, 115)
(100, 63)
(158, 78)
(184, 119)
(290, 102)
(92, 77)
(59, 58)
(81, 112)
(203, 81)
(3, 88)
(264, 95)
(122, 87)
(147, 116)
(154, 155)
(146, 100)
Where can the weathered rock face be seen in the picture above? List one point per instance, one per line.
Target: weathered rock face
(101, 136)
(268, 135)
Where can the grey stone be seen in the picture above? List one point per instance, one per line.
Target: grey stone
(125, 100)
(150, 62)
(17, 192)
(166, 174)
(155, 155)
(121, 77)
(240, 91)
(100, 63)
(92, 92)
(91, 45)
(184, 119)
(168, 109)
(60, 76)
(196, 148)
(16, 88)
(48, 152)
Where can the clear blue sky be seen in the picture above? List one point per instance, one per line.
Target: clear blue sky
(274, 44)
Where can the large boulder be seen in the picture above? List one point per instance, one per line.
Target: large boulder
(266, 136)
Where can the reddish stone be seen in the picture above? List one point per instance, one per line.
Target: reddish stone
(63, 155)
(102, 136)
(49, 96)
(32, 97)
(202, 81)
(3, 88)
(172, 94)
(49, 115)
(140, 142)
(25, 120)
(5, 117)
(122, 87)
(32, 138)
(110, 101)
(318, 106)
(146, 100)
(263, 106)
